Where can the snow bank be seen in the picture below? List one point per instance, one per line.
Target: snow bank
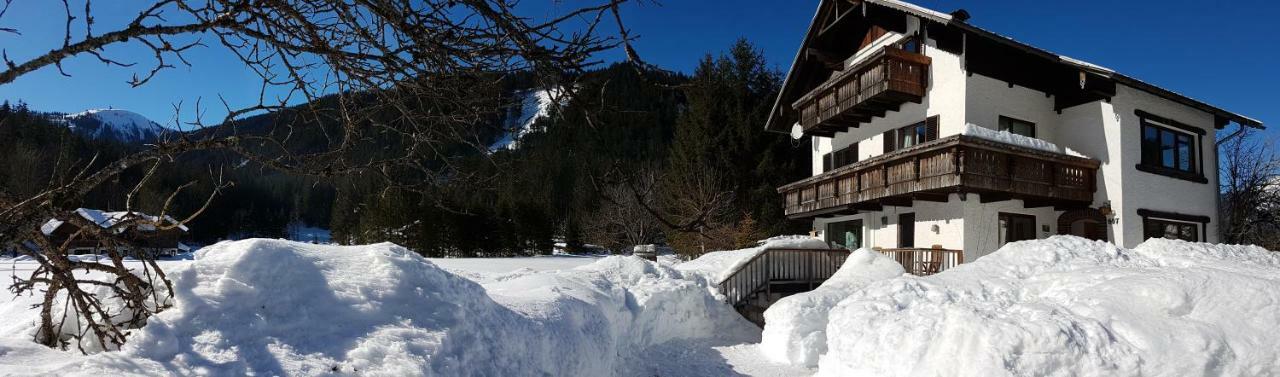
(1067, 306)
(274, 307)
(718, 265)
(795, 330)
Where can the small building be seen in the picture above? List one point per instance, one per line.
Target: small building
(143, 235)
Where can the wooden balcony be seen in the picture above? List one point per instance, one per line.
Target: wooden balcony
(956, 164)
(879, 84)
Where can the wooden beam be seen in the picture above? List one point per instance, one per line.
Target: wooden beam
(896, 201)
(1037, 203)
(930, 197)
(992, 197)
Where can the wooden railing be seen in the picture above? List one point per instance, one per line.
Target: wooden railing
(805, 266)
(924, 262)
(953, 164)
(890, 77)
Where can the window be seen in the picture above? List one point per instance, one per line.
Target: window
(1161, 228)
(843, 157)
(1017, 127)
(846, 234)
(912, 135)
(1170, 148)
(1016, 227)
(1157, 224)
(909, 44)
(907, 230)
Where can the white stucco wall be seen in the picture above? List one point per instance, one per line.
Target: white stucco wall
(880, 228)
(945, 98)
(1158, 192)
(986, 99)
(982, 224)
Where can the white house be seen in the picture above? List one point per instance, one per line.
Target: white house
(931, 133)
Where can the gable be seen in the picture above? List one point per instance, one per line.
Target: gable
(841, 27)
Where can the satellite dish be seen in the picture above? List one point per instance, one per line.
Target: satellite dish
(797, 132)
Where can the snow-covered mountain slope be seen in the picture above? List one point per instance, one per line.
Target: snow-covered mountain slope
(534, 104)
(111, 124)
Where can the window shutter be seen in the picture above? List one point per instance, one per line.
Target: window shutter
(931, 128)
(852, 154)
(889, 143)
(826, 162)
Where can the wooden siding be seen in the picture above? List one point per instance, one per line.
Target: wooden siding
(956, 164)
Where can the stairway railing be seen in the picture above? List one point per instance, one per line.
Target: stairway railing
(803, 266)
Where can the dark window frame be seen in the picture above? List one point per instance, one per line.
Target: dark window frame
(926, 130)
(1152, 217)
(1000, 123)
(1001, 216)
(840, 158)
(1152, 152)
(910, 43)
(857, 227)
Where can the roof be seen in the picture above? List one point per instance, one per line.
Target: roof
(943, 18)
(947, 19)
(106, 220)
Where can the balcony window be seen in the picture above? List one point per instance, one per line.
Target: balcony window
(912, 135)
(843, 157)
(1017, 127)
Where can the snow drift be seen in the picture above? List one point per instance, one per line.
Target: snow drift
(1067, 306)
(796, 332)
(271, 307)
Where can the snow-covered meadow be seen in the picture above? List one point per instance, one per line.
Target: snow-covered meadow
(1061, 306)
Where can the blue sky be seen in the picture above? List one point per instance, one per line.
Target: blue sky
(1221, 53)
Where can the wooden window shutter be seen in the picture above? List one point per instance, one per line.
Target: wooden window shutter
(852, 154)
(931, 128)
(889, 142)
(826, 162)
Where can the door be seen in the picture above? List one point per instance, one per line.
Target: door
(846, 234)
(1016, 227)
(907, 230)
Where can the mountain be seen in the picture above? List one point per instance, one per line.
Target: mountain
(118, 125)
(534, 104)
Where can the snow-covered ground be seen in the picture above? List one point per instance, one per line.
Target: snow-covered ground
(279, 307)
(1064, 306)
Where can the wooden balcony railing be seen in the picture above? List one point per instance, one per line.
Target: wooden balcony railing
(924, 262)
(880, 83)
(804, 266)
(955, 164)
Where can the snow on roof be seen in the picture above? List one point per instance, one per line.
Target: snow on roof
(50, 226)
(107, 220)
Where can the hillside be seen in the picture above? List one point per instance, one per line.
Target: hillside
(114, 125)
